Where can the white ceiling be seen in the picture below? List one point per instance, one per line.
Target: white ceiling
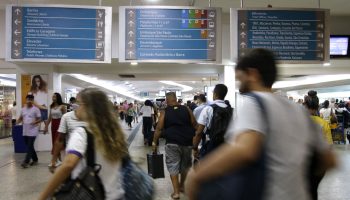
(338, 7)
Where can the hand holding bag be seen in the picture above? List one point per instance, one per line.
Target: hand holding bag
(88, 185)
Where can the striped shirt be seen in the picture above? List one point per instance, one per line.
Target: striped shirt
(69, 122)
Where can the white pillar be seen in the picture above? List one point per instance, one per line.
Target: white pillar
(43, 142)
(230, 82)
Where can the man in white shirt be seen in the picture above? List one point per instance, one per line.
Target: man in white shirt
(69, 122)
(284, 133)
(205, 119)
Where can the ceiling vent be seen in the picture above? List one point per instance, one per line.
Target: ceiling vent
(126, 76)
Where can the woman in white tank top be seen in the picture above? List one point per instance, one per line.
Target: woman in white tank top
(57, 109)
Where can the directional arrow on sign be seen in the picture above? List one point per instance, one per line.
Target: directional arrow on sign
(243, 45)
(131, 33)
(131, 23)
(243, 34)
(16, 32)
(131, 13)
(131, 43)
(242, 25)
(320, 35)
(17, 21)
(16, 42)
(17, 11)
(320, 45)
(320, 26)
(130, 53)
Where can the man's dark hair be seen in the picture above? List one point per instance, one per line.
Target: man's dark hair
(311, 101)
(202, 98)
(72, 99)
(326, 104)
(220, 90)
(264, 61)
(148, 103)
(195, 97)
(30, 96)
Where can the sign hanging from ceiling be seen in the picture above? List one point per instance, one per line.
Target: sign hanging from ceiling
(41, 33)
(169, 34)
(295, 35)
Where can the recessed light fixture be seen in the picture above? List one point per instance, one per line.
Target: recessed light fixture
(204, 79)
(127, 83)
(133, 63)
(326, 64)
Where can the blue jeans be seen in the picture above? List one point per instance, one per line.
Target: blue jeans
(31, 154)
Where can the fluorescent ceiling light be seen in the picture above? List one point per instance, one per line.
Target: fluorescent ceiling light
(310, 80)
(326, 64)
(185, 88)
(106, 85)
(4, 82)
(133, 63)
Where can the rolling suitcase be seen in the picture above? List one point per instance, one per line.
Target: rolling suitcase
(155, 165)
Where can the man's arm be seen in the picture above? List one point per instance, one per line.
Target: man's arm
(246, 149)
(158, 131)
(198, 136)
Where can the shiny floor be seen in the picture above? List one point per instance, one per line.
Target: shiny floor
(17, 183)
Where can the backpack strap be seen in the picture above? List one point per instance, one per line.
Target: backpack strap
(90, 151)
(261, 105)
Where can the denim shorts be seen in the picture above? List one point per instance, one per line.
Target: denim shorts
(178, 158)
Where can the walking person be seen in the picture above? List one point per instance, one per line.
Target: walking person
(109, 146)
(178, 124)
(147, 113)
(130, 115)
(69, 122)
(31, 117)
(275, 139)
(57, 110)
(14, 113)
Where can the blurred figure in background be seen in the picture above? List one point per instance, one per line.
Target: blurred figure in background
(147, 113)
(14, 113)
(284, 134)
(326, 112)
(312, 104)
(130, 114)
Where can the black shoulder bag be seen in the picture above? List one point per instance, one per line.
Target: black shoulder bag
(88, 185)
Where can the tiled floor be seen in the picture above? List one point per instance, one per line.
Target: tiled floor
(17, 183)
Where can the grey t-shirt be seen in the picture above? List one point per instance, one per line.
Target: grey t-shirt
(289, 141)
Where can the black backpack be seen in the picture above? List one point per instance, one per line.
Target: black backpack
(219, 124)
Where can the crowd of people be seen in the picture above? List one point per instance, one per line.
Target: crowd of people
(273, 150)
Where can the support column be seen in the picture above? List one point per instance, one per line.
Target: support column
(43, 142)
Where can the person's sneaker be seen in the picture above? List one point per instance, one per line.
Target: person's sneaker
(25, 165)
(58, 163)
(33, 163)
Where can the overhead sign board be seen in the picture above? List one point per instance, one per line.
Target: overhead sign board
(169, 34)
(295, 35)
(41, 33)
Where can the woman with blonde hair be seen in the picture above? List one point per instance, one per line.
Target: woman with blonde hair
(110, 146)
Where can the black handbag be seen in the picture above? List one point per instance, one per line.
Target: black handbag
(88, 185)
(155, 165)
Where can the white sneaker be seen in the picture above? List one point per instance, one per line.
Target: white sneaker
(58, 163)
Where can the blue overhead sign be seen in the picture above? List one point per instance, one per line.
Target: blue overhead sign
(298, 36)
(170, 34)
(59, 34)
